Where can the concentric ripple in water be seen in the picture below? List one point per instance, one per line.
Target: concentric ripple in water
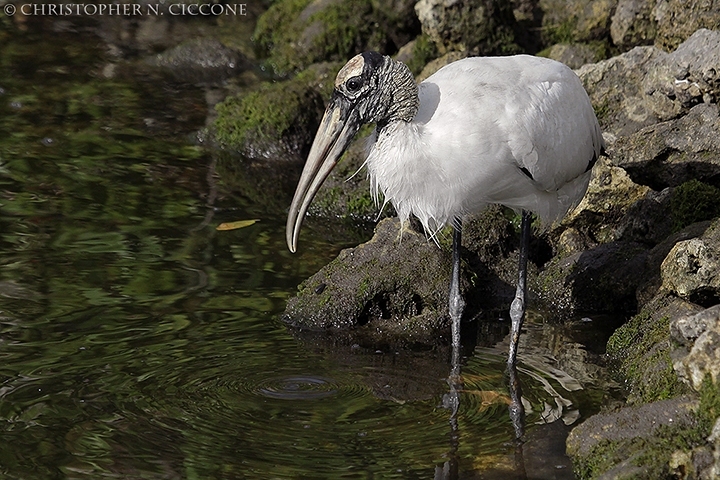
(298, 388)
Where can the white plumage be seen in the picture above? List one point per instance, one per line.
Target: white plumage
(480, 121)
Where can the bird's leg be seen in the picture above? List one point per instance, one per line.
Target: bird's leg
(451, 400)
(517, 308)
(457, 304)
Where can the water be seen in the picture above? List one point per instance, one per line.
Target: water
(137, 341)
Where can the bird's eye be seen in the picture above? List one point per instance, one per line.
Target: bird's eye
(353, 85)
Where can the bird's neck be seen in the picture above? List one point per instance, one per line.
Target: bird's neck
(401, 99)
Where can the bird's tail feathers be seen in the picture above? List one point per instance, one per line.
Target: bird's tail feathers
(555, 207)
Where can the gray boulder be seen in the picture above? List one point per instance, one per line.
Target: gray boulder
(647, 85)
(616, 89)
(632, 24)
(201, 60)
(698, 358)
(691, 269)
(686, 77)
(673, 152)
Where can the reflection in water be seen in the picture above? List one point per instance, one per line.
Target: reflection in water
(136, 341)
(451, 401)
(516, 410)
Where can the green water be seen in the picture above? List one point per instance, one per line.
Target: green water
(136, 341)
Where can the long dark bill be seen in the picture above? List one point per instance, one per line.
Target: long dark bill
(337, 128)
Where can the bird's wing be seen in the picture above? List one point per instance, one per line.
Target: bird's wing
(522, 111)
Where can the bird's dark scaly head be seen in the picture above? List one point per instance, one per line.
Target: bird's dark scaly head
(370, 88)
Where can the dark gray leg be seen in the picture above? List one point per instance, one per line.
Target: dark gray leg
(451, 400)
(457, 304)
(517, 308)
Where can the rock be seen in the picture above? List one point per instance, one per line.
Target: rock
(639, 351)
(566, 21)
(678, 19)
(694, 201)
(490, 246)
(647, 220)
(295, 34)
(148, 34)
(632, 24)
(691, 269)
(417, 54)
(601, 279)
(202, 60)
(478, 27)
(686, 330)
(392, 289)
(438, 63)
(601, 248)
(615, 87)
(673, 152)
(673, 438)
(633, 441)
(276, 121)
(603, 213)
(646, 85)
(573, 55)
(559, 12)
(400, 22)
(594, 22)
(490, 235)
(652, 280)
(528, 19)
(686, 77)
(699, 334)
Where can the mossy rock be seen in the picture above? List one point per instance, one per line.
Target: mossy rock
(639, 351)
(635, 442)
(275, 121)
(201, 61)
(485, 27)
(422, 51)
(293, 34)
(666, 439)
(694, 201)
(390, 290)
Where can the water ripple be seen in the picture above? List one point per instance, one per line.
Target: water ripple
(298, 387)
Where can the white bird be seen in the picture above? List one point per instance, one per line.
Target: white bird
(518, 131)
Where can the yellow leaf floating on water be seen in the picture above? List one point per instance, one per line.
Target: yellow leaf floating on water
(236, 225)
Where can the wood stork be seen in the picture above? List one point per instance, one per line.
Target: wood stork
(518, 131)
